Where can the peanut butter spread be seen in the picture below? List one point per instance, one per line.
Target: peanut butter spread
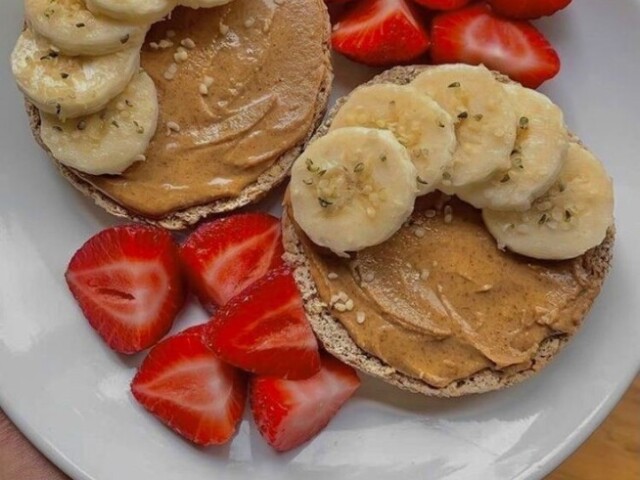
(439, 301)
(238, 87)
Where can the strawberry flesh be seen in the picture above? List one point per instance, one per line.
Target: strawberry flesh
(475, 35)
(225, 256)
(127, 282)
(289, 413)
(527, 9)
(187, 388)
(264, 330)
(380, 33)
(443, 4)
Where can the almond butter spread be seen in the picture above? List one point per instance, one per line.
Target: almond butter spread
(439, 301)
(238, 87)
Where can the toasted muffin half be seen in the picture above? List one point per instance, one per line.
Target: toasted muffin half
(337, 340)
(107, 195)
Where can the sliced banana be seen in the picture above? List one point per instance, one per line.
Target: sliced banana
(70, 87)
(353, 188)
(74, 30)
(485, 119)
(110, 141)
(571, 218)
(136, 11)
(536, 160)
(203, 3)
(416, 120)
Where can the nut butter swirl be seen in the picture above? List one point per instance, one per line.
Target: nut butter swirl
(238, 87)
(439, 302)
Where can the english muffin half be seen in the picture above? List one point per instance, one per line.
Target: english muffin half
(340, 331)
(240, 94)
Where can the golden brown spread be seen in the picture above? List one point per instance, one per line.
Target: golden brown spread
(265, 63)
(439, 301)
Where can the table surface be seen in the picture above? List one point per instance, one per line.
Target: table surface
(612, 452)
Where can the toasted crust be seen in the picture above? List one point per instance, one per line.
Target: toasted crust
(183, 219)
(338, 342)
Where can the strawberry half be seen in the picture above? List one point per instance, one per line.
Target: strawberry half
(443, 4)
(265, 330)
(187, 388)
(225, 256)
(475, 35)
(527, 9)
(380, 33)
(288, 413)
(128, 284)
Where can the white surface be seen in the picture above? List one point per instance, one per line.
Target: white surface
(69, 393)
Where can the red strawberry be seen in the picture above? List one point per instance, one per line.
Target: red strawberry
(225, 256)
(183, 384)
(288, 413)
(265, 330)
(475, 35)
(527, 9)
(127, 282)
(380, 33)
(443, 4)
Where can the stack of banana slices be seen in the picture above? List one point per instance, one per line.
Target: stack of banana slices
(79, 64)
(459, 129)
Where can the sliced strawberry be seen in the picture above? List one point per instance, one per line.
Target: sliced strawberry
(225, 256)
(183, 384)
(128, 284)
(527, 9)
(380, 33)
(288, 413)
(475, 35)
(443, 4)
(265, 330)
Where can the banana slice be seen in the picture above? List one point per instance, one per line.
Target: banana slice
(571, 218)
(485, 119)
(136, 11)
(353, 188)
(416, 120)
(74, 30)
(70, 86)
(536, 160)
(110, 141)
(203, 3)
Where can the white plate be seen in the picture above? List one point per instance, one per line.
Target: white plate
(70, 394)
